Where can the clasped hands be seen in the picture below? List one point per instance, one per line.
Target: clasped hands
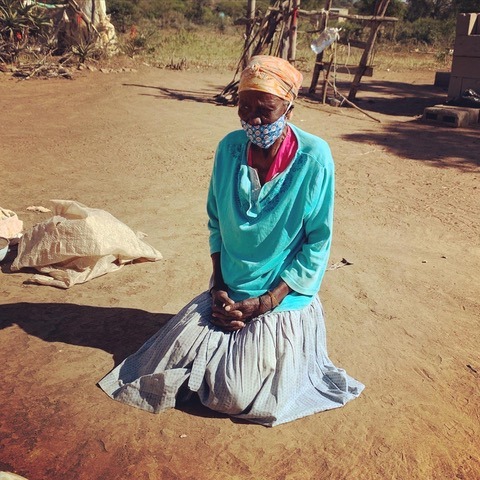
(231, 316)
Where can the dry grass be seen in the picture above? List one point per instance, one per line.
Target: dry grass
(206, 48)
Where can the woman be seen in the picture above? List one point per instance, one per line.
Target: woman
(254, 345)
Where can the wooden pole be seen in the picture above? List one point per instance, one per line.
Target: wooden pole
(380, 9)
(360, 18)
(248, 32)
(319, 58)
(325, 82)
(284, 34)
(292, 45)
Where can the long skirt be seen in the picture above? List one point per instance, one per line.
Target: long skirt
(274, 370)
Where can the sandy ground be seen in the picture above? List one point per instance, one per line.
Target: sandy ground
(403, 318)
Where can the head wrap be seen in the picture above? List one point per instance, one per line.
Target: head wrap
(275, 75)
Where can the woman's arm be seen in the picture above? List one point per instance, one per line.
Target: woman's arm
(217, 278)
(305, 273)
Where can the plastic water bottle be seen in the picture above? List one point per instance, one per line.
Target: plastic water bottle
(326, 38)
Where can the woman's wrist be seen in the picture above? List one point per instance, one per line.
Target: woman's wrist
(217, 288)
(264, 303)
(271, 299)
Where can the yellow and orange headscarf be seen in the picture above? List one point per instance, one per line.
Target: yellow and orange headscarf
(275, 75)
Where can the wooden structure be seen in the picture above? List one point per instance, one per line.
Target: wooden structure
(273, 34)
(276, 34)
(379, 14)
(319, 63)
(365, 67)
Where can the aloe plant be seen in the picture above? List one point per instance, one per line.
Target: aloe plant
(20, 24)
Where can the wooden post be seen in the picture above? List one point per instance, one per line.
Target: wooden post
(380, 10)
(248, 31)
(325, 82)
(319, 59)
(284, 34)
(292, 45)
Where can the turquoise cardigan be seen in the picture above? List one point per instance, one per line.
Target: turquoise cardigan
(285, 233)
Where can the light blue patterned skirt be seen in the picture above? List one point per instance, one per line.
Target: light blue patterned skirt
(273, 371)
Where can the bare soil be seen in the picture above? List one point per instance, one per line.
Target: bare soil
(403, 318)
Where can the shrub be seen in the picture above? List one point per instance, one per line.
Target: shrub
(21, 24)
(123, 13)
(428, 31)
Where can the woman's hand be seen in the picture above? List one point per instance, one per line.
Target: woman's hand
(231, 315)
(251, 307)
(223, 315)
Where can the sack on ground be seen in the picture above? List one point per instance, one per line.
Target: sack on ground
(78, 244)
(10, 226)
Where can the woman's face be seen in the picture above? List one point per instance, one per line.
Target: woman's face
(260, 108)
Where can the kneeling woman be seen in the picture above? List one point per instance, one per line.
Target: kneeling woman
(254, 345)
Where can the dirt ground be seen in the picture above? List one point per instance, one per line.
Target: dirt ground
(403, 318)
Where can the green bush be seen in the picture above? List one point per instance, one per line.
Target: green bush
(21, 24)
(427, 31)
(124, 13)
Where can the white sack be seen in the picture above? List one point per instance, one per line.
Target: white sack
(77, 244)
(10, 476)
(10, 225)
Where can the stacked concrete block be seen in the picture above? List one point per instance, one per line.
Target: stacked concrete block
(450, 116)
(466, 56)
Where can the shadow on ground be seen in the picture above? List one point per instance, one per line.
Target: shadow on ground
(181, 95)
(394, 98)
(434, 144)
(438, 146)
(388, 98)
(119, 331)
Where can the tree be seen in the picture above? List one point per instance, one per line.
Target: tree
(396, 8)
(440, 9)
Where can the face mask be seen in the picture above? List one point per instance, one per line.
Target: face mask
(264, 136)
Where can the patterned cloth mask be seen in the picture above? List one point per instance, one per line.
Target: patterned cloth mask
(264, 136)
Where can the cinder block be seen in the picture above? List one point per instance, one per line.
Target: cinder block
(454, 87)
(473, 113)
(467, 46)
(450, 116)
(458, 85)
(466, 66)
(466, 23)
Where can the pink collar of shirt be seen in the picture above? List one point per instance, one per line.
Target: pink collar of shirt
(284, 156)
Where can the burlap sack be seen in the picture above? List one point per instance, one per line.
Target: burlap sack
(77, 244)
(10, 225)
(10, 476)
